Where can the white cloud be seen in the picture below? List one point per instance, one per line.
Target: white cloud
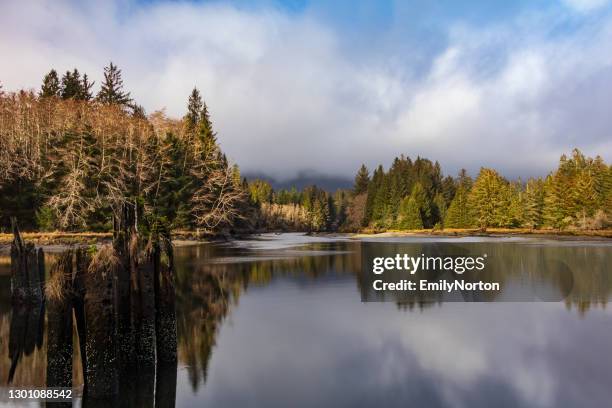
(585, 6)
(285, 95)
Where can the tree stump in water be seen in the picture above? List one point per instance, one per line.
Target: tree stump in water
(123, 231)
(143, 309)
(58, 295)
(165, 313)
(100, 346)
(27, 270)
(83, 259)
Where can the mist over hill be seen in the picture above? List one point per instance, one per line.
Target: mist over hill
(303, 179)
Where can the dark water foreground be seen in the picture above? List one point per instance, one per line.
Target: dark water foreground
(280, 322)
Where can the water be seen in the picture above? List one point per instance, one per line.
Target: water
(280, 322)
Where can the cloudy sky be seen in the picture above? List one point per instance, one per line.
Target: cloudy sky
(323, 86)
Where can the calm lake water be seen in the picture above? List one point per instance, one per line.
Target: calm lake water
(279, 322)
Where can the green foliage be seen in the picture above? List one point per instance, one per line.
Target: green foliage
(45, 219)
(533, 216)
(410, 214)
(50, 86)
(458, 214)
(111, 91)
(260, 191)
(362, 179)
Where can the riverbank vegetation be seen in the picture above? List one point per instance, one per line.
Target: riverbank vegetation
(414, 195)
(71, 160)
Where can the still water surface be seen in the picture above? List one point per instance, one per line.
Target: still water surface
(279, 321)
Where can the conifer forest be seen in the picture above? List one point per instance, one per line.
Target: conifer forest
(71, 159)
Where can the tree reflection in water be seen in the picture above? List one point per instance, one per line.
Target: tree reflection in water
(211, 279)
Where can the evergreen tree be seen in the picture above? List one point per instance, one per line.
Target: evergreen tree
(554, 214)
(584, 196)
(71, 85)
(440, 207)
(409, 217)
(373, 187)
(534, 203)
(459, 214)
(362, 179)
(194, 109)
(112, 91)
(50, 86)
(85, 93)
(488, 198)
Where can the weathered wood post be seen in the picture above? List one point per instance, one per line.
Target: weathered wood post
(123, 232)
(165, 313)
(83, 259)
(165, 385)
(27, 269)
(101, 375)
(58, 296)
(143, 307)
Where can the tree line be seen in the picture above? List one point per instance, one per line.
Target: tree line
(70, 160)
(414, 195)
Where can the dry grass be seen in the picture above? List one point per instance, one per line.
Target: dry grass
(57, 237)
(104, 261)
(58, 286)
(55, 288)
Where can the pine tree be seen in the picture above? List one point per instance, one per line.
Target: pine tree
(50, 86)
(584, 196)
(206, 135)
(440, 208)
(489, 199)
(554, 214)
(459, 214)
(194, 109)
(71, 85)
(85, 93)
(373, 187)
(534, 203)
(409, 217)
(362, 179)
(111, 91)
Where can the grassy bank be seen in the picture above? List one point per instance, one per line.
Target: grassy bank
(455, 232)
(181, 237)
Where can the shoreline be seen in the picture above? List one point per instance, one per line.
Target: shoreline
(186, 238)
(586, 235)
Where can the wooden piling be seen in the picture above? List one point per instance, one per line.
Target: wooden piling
(83, 259)
(165, 313)
(143, 309)
(58, 296)
(27, 269)
(123, 233)
(100, 344)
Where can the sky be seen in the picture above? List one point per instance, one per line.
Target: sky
(320, 87)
